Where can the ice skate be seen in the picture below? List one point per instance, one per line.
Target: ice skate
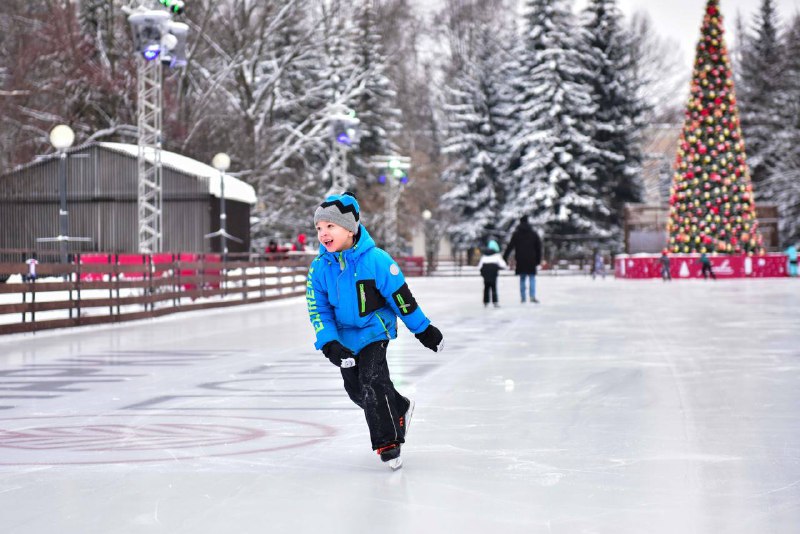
(390, 455)
(405, 419)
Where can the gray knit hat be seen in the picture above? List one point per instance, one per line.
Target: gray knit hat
(339, 209)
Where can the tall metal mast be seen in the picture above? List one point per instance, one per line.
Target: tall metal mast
(150, 105)
(158, 41)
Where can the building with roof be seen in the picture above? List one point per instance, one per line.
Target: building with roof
(102, 201)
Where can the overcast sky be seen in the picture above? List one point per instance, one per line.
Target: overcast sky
(681, 19)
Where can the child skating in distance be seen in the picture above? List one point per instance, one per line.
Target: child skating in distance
(355, 293)
(664, 261)
(705, 263)
(489, 267)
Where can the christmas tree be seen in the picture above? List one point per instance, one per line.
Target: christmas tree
(711, 200)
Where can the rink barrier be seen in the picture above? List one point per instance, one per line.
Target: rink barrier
(98, 288)
(687, 266)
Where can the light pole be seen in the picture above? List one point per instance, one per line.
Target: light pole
(62, 137)
(431, 243)
(158, 40)
(222, 162)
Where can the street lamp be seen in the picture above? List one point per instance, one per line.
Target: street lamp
(426, 215)
(62, 137)
(222, 162)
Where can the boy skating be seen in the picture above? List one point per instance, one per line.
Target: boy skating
(355, 293)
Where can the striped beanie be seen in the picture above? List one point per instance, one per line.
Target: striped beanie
(339, 209)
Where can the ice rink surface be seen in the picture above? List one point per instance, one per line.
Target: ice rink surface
(612, 407)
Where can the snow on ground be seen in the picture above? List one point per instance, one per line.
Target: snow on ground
(611, 407)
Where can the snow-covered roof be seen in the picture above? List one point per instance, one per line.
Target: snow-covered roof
(235, 189)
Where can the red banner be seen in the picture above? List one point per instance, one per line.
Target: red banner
(688, 266)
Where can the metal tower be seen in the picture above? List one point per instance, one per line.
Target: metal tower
(150, 103)
(158, 41)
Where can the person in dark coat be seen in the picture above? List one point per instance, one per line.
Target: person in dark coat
(527, 248)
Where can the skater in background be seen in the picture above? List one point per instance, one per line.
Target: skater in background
(355, 293)
(300, 243)
(527, 249)
(598, 265)
(705, 262)
(664, 261)
(489, 266)
(791, 258)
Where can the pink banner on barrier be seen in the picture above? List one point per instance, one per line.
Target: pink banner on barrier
(688, 266)
(162, 258)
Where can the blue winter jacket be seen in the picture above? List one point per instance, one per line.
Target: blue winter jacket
(356, 295)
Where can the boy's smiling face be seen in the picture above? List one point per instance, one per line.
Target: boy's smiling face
(334, 237)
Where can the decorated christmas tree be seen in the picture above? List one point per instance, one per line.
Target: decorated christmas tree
(711, 199)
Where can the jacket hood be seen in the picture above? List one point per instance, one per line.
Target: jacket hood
(363, 244)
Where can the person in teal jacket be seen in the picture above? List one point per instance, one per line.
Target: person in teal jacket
(791, 258)
(355, 292)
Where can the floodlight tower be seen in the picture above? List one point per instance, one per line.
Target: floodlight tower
(345, 133)
(158, 40)
(393, 171)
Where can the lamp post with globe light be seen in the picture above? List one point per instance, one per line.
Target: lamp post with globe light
(435, 228)
(430, 243)
(62, 137)
(222, 163)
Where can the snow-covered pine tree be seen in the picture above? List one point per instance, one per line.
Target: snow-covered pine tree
(289, 183)
(783, 182)
(552, 136)
(338, 34)
(759, 83)
(619, 115)
(375, 105)
(711, 201)
(474, 144)
(379, 116)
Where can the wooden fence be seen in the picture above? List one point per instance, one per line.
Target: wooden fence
(109, 288)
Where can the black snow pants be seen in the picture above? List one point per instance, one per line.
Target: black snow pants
(489, 291)
(369, 386)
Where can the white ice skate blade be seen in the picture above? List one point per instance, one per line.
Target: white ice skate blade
(407, 417)
(395, 463)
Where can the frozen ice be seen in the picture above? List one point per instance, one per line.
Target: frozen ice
(611, 407)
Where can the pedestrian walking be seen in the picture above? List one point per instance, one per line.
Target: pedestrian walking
(598, 265)
(705, 262)
(666, 275)
(527, 248)
(355, 292)
(489, 266)
(791, 257)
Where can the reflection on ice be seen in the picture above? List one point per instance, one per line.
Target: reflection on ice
(621, 407)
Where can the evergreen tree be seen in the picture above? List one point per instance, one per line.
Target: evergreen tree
(783, 182)
(289, 184)
(552, 137)
(375, 105)
(711, 202)
(760, 82)
(619, 116)
(474, 140)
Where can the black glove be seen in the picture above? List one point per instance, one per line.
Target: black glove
(431, 338)
(338, 354)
